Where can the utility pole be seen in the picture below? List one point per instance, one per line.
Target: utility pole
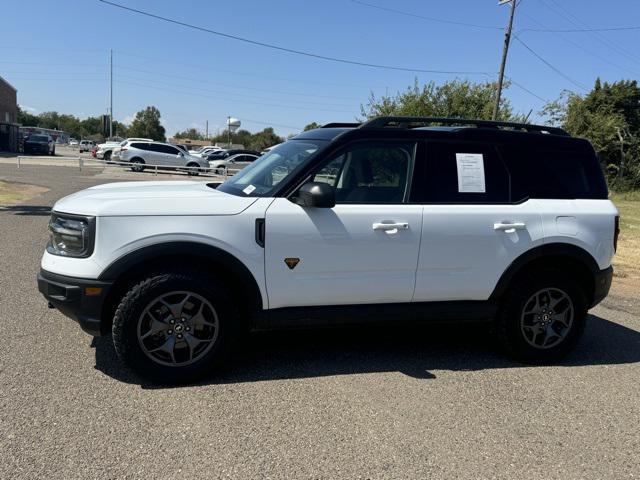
(206, 134)
(111, 94)
(505, 49)
(229, 130)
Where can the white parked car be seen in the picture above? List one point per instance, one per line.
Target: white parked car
(104, 150)
(163, 155)
(204, 151)
(390, 220)
(232, 163)
(86, 145)
(73, 142)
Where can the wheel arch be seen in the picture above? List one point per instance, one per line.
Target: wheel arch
(127, 270)
(571, 258)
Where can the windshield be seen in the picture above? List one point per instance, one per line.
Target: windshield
(38, 138)
(260, 179)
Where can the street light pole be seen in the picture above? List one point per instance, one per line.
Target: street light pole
(111, 94)
(505, 49)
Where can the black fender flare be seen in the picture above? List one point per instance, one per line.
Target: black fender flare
(204, 253)
(566, 250)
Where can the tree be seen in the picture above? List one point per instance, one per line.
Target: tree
(191, 134)
(147, 125)
(311, 126)
(455, 98)
(27, 119)
(609, 117)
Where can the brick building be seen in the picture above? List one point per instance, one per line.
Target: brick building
(8, 117)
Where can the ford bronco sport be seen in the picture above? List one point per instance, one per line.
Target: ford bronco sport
(396, 218)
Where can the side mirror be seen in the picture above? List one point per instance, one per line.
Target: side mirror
(316, 194)
(180, 154)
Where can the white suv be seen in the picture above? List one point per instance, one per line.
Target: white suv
(391, 219)
(161, 155)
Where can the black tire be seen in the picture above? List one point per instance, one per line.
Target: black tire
(137, 165)
(107, 156)
(194, 172)
(53, 152)
(511, 317)
(133, 305)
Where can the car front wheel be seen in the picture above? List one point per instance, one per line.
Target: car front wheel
(542, 316)
(174, 327)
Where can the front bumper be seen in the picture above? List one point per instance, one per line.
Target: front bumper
(78, 298)
(602, 285)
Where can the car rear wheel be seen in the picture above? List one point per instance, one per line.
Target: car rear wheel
(192, 169)
(107, 156)
(174, 327)
(137, 165)
(542, 316)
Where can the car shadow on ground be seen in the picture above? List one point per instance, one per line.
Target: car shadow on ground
(415, 351)
(42, 210)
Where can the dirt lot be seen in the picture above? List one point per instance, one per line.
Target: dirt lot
(350, 403)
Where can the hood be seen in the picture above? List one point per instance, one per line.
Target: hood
(152, 198)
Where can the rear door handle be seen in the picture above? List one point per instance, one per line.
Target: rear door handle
(391, 226)
(509, 227)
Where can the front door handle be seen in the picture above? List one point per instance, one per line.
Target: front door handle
(509, 227)
(391, 226)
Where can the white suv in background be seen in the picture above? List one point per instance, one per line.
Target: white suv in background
(390, 220)
(162, 155)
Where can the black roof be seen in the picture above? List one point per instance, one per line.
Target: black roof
(423, 127)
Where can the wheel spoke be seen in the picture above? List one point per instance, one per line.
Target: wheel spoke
(155, 328)
(536, 307)
(199, 318)
(176, 308)
(167, 347)
(193, 343)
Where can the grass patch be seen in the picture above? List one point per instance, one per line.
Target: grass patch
(627, 259)
(13, 193)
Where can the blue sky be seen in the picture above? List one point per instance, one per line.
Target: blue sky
(57, 55)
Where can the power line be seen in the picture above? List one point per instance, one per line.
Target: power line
(580, 30)
(522, 87)
(252, 102)
(558, 71)
(285, 49)
(571, 18)
(430, 19)
(578, 46)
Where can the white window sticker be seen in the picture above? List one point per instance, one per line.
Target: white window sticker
(470, 173)
(249, 189)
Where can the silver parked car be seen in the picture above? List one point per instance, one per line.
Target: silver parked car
(162, 155)
(234, 162)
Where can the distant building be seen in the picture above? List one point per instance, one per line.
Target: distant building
(58, 135)
(190, 143)
(8, 117)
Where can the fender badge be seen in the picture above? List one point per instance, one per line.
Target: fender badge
(291, 262)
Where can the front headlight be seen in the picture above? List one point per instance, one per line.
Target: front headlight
(71, 235)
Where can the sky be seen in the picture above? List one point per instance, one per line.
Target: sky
(57, 55)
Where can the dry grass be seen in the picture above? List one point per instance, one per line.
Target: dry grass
(627, 259)
(13, 193)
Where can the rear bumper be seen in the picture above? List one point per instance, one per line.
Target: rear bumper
(602, 285)
(77, 298)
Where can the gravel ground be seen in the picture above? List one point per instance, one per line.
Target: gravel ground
(414, 403)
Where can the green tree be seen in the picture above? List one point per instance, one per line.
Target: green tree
(191, 134)
(455, 98)
(27, 119)
(609, 117)
(147, 125)
(312, 126)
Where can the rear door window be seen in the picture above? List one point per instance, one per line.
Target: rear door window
(461, 172)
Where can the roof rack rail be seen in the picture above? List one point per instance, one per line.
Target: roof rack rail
(341, 125)
(405, 122)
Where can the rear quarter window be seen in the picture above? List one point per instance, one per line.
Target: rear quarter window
(554, 173)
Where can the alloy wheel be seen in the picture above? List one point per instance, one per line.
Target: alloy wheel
(547, 318)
